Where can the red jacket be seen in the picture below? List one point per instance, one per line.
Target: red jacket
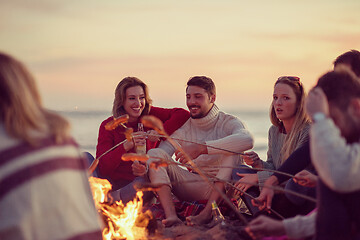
(110, 165)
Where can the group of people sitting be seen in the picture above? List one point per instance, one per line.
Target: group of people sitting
(216, 143)
(313, 154)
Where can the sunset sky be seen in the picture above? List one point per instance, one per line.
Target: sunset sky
(79, 50)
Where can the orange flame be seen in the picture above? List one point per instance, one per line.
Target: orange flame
(99, 188)
(123, 222)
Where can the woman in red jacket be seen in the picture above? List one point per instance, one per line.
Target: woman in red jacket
(132, 98)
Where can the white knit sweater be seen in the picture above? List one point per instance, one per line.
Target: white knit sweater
(337, 163)
(300, 227)
(219, 130)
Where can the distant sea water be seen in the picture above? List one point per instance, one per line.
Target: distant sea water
(85, 127)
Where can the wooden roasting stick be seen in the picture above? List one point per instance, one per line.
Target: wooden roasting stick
(156, 124)
(111, 126)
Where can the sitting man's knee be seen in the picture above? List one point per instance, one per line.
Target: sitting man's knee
(157, 153)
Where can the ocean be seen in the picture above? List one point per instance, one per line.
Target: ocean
(85, 127)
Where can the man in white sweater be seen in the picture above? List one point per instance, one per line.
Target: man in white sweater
(209, 127)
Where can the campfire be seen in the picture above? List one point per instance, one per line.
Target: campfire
(130, 222)
(121, 221)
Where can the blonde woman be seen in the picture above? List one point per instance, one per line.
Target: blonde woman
(44, 190)
(288, 133)
(131, 98)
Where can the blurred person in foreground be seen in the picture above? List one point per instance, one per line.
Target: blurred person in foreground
(335, 149)
(210, 127)
(337, 174)
(44, 188)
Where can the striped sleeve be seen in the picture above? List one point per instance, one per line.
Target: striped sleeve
(45, 193)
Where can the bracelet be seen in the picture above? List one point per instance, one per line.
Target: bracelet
(318, 116)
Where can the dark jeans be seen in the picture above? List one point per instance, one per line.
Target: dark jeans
(338, 214)
(128, 192)
(307, 191)
(89, 157)
(253, 191)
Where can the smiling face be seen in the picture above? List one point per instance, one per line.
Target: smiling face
(284, 102)
(134, 102)
(198, 101)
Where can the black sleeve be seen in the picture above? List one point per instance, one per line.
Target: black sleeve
(297, 161)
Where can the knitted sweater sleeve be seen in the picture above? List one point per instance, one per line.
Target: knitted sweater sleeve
(238, 138)
(300, 226)
(337, 163)
(269, 164)
(167, 146)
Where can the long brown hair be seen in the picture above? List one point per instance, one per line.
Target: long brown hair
(301, 118)
(21, 109)
(120, 95)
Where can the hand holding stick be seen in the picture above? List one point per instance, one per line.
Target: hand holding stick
(155, 123)
(111, 126)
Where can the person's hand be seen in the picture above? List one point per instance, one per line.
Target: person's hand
(129, 145)
(139, 138)
(252, 159)
(264, 226)
(306, 179)
(138, 168)
(248, 180)
(264, 200)
(192, 150)
(153, 136)
(316, 102)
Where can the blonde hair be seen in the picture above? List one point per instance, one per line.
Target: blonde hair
(301, 118)
(21, 110)
(120, 96)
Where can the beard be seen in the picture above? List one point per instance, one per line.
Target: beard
(198, 115)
